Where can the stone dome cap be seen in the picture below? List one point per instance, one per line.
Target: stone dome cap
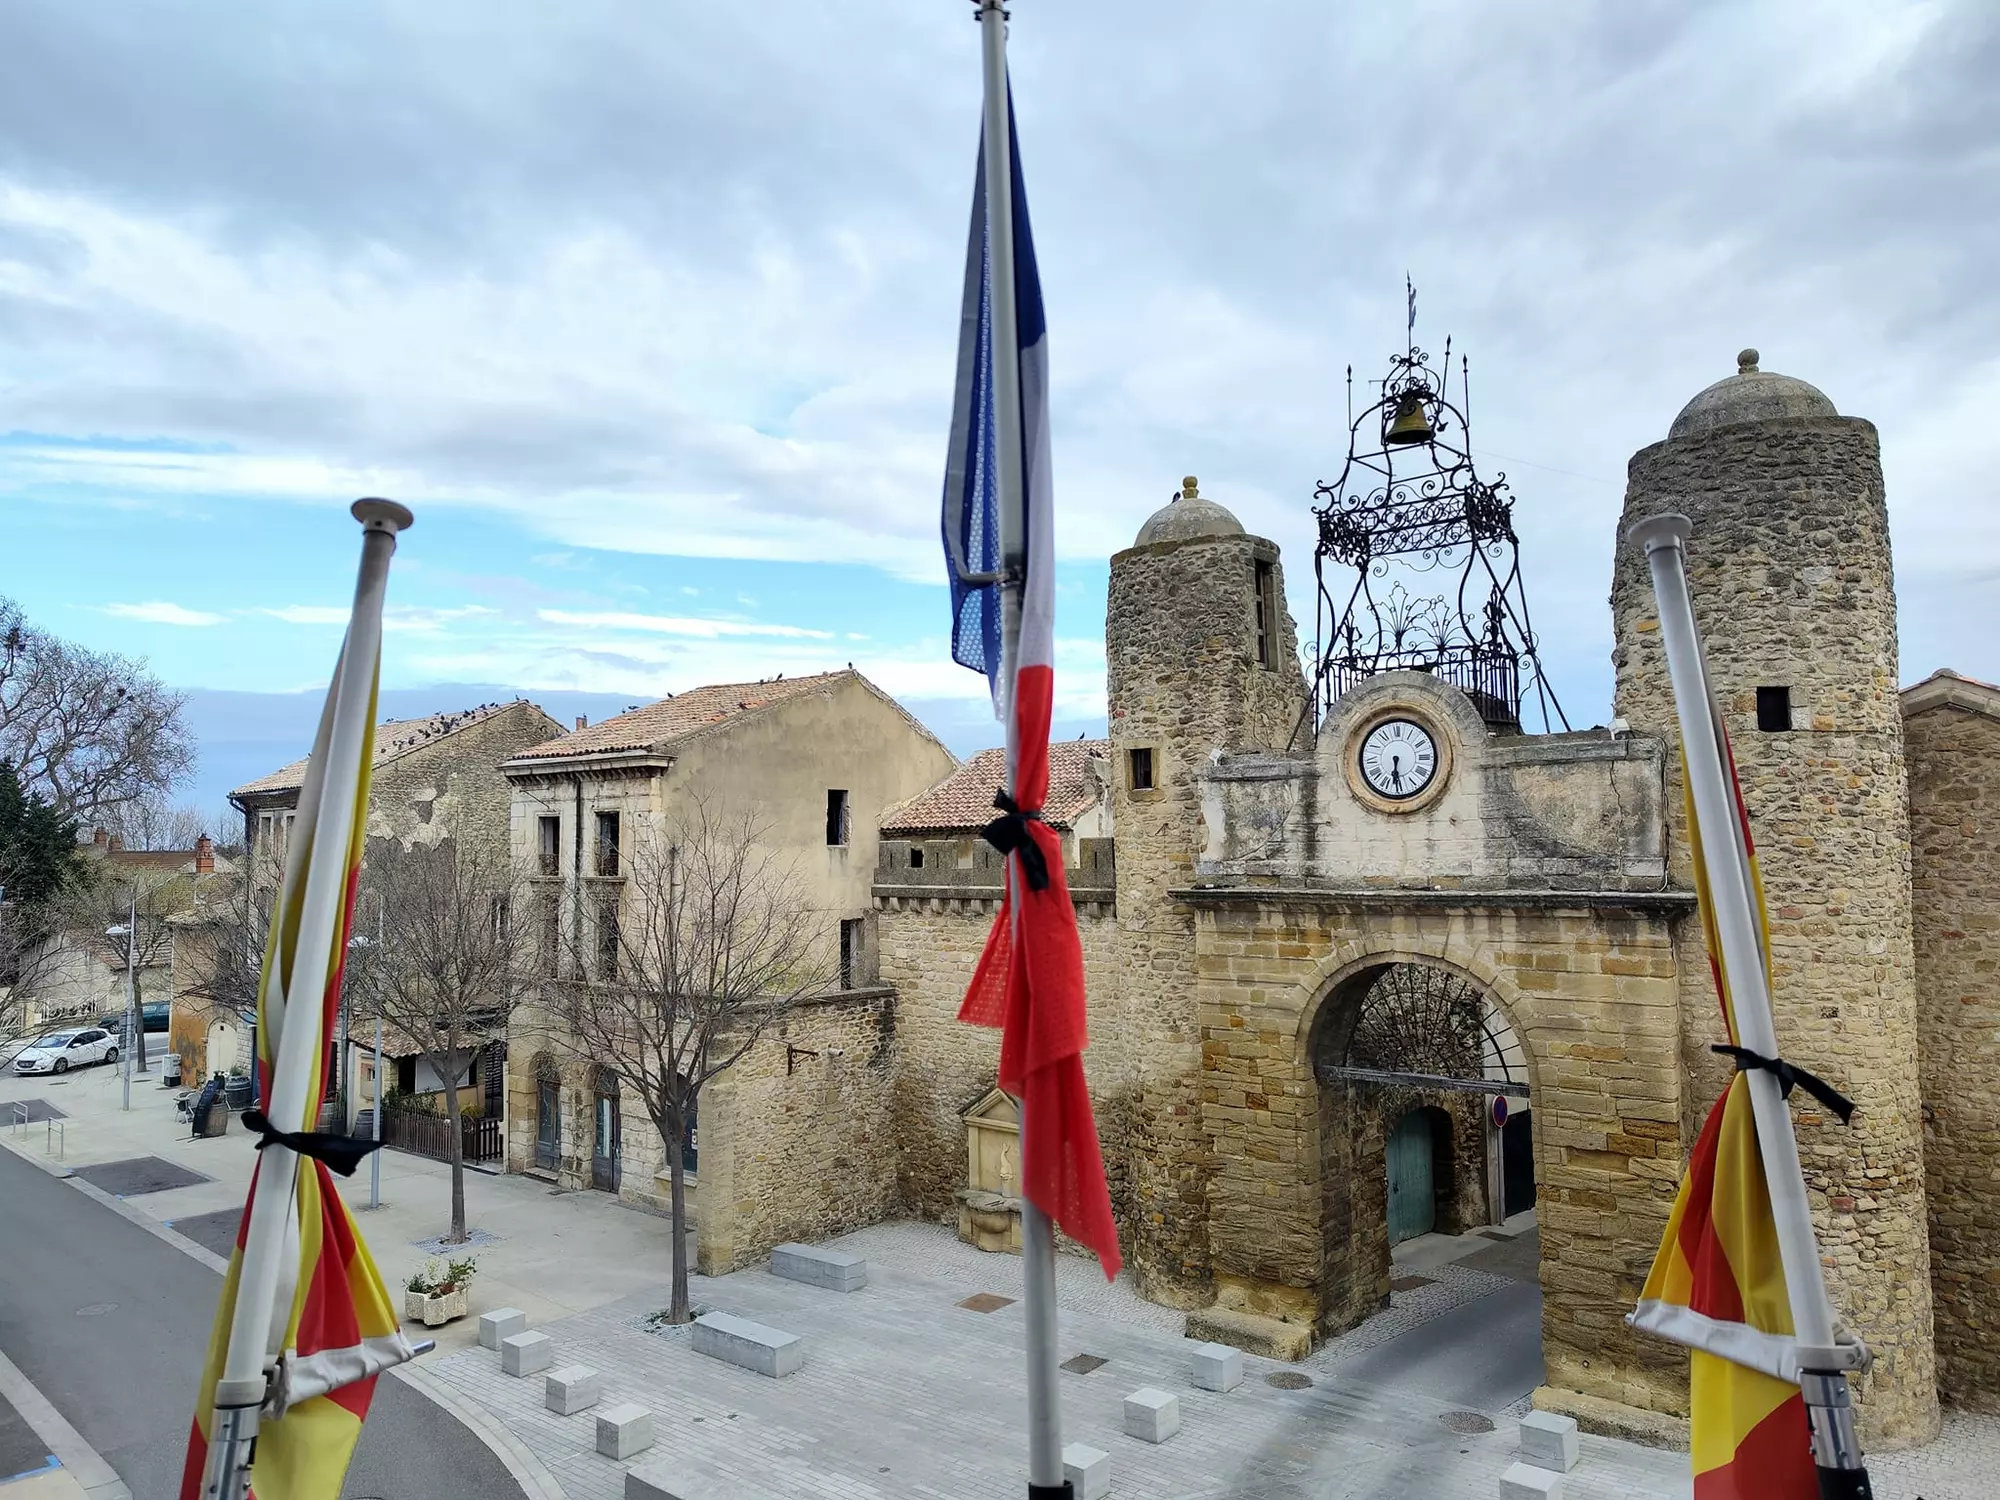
(1750, 395)
(1186, 517)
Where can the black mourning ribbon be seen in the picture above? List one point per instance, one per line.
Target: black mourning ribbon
(1789, 1076)
(1010, 833)
(341, 1153)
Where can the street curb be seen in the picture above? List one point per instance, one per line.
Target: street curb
(536, 1482)
(151, 1225)
(85, 1464)
(36, 1159)
(528, 1471)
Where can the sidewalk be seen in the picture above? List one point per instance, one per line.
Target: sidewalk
(907, 1393)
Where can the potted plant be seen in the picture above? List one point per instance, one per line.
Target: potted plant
(435, 1292)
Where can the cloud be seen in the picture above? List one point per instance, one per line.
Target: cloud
(161, 613)
(677, 625)
(684, 282)
(395, 617)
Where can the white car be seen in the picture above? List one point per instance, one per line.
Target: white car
(60, 1051)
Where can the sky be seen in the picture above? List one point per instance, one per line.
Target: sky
(648, 311)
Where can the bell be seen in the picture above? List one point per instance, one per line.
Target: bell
(1411, 424)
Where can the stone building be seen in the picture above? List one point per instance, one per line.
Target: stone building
(1285, 960)
(433, 780)
(794, 1140)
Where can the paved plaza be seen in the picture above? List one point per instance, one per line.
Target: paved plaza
(905, 1393)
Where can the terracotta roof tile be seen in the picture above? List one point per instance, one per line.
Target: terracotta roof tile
(394, 738)
(659, 726)
(964, 799)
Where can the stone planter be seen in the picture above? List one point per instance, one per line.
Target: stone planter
(433, 1312)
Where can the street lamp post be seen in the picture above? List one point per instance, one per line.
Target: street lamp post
(375, 1111)
(129, 932)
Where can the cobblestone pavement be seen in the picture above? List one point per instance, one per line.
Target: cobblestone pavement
(906, 1394)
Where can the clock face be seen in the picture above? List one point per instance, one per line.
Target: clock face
(1398, 759)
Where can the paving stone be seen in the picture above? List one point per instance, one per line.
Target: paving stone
(1549, 1441)
(1088, 1470)
(680, 1479)
(501, 1323)
(738, 1341)
(1217, 1367)
(527, 1353)
(1152, 1415)
(139, 1174)
(1526, 1482)
(816, 1265)
(624, 1430)
(571, 1389)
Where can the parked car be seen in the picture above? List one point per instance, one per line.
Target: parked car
(60, 1051)
(155, 1016)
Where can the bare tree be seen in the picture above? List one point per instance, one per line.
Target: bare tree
(86, 729)
(133, 911)
(441, 967)
(153, 821)
(219, 952)
(668, 982)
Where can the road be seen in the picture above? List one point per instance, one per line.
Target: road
(111, 1324)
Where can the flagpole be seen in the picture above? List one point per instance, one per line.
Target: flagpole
(1823, 1363)
(1038, 1302)
(242, 1388)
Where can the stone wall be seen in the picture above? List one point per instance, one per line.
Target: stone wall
(1183, 680)
(797, 1138)
(453, 788)
(1790, 571)
(929, 946)
(1952, 738)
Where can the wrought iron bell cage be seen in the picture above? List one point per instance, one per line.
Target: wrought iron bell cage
(1410, 505)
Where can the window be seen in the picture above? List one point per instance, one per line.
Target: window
(549, 848)
(850, 952)
(1774, 708)
(836, 817)
(607, 938)
(1141, 763)
(916, 859)
(500, 917)
(607, 843)
(1267, 611)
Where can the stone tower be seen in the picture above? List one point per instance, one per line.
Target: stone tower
(1790, 571)
(1201, 656)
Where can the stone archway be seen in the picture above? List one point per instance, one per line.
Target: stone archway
(1587, 983)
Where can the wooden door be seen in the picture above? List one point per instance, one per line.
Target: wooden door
(1412, 1203)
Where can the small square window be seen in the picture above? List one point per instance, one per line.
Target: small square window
(1774, 709)
(1141, 763)
(836, 816)
(916, 859)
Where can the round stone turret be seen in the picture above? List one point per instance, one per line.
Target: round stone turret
(1187, 516)
(1791, 575)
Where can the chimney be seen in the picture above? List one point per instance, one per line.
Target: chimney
(101, 838)
(204, 855)
(583, 721)
(117, 844)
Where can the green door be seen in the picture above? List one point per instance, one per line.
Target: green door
(1412, 1208)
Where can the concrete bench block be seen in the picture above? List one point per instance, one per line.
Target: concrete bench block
(1217, 1367)
(527, 1353)
(624, 1430)
(1525, 1482)
(1152, 1415)
(501, 1323)
(1548, 1441)
(572, 1388)
(815, 1265)
(678, 1479)
(738, 1341)
(1088, 1470)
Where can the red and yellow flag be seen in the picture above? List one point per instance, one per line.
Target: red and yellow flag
(341, 1329)
(1718, 1282)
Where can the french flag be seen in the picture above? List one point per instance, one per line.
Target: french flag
(1029, 980)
